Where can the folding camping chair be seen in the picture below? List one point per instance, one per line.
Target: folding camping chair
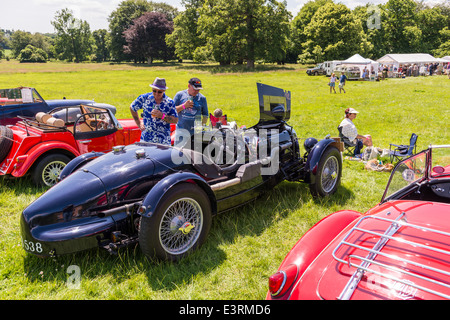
(348, 146)
(402, 151)
(215, 120)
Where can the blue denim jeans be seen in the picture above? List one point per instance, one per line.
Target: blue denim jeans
(358, 147)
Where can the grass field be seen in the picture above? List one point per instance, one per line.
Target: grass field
(246, 245)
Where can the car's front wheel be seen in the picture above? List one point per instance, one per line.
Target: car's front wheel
(47, 170)
(328, 174)
(179, 225)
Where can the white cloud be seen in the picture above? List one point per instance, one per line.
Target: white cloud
(294, 6)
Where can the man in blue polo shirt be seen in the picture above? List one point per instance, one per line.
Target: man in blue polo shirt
(158, 113)
(342, 81)
(190, 105)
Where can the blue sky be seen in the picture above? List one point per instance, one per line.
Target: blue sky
(35, 15)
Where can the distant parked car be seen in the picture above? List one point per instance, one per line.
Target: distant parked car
(319, 69)
(44, 144)
(27, 102)
(399, 249)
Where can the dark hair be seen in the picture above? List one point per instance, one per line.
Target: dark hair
(346, 112)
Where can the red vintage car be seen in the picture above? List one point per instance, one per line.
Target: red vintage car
(400, 249)
(44, 144)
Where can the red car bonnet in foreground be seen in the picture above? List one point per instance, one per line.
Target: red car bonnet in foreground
(400, 249)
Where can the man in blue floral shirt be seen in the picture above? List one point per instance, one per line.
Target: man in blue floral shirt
(158, 113)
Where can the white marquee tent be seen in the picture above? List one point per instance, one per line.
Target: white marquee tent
(398, 59)
(361, 62)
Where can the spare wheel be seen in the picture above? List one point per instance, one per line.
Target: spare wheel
(6, 141)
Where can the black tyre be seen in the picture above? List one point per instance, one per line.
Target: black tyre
(329, 172)
(47, 170)
(6, 141)
(179, 225)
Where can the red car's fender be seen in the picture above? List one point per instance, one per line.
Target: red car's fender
(310, 245)
(27, 160)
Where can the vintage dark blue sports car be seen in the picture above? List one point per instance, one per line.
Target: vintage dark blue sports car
(164, 197)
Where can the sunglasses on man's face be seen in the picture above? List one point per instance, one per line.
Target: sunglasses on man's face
(158, 91)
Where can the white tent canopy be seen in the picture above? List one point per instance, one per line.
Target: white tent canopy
(358, 59)
(361, 62)
(407, 58)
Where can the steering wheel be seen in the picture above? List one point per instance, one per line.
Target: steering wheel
(224, 145)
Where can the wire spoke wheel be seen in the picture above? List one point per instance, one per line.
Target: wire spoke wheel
(181, 226)
(178, 226)
(329, 174)
(51, 172)
(47, 169)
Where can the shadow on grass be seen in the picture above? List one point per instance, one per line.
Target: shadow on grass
(20, 186)
(216, 69)
(213, 68)
(128, 263)
(251, 219)
(340, 198)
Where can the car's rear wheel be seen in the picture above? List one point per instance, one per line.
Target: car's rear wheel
(179, 225)
(47, 170)
(6, 141)
(328, 175)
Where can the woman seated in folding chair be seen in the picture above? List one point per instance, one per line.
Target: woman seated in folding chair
(349, 133)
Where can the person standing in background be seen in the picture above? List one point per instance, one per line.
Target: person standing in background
(158, 113)
(332, 82)
(342, 81)
(190, 105)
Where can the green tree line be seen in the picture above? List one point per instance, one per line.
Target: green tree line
(241, 31)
